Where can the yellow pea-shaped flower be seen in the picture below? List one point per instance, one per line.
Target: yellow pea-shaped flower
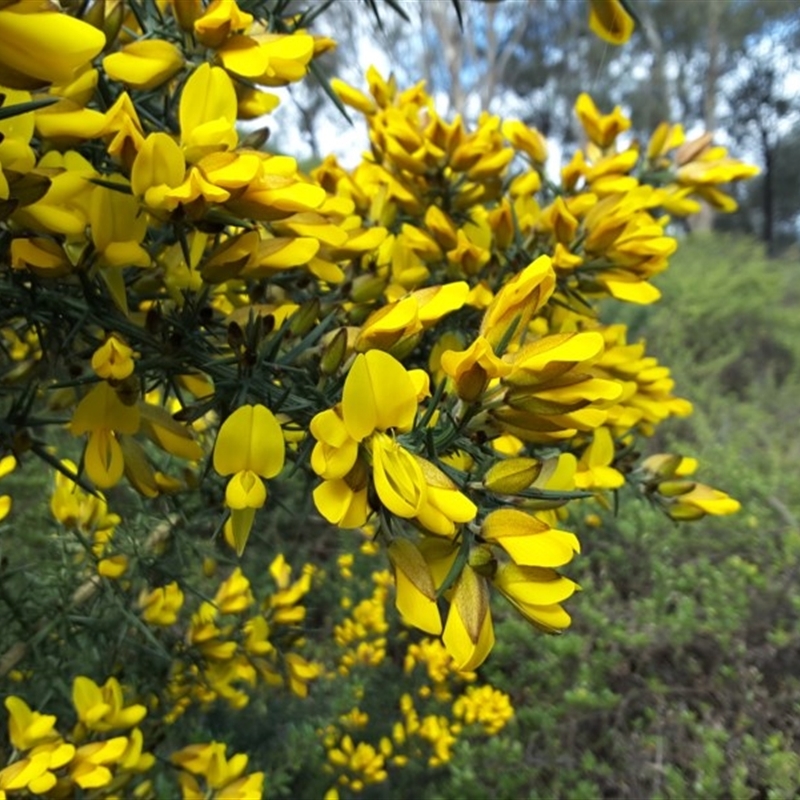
(249, 446)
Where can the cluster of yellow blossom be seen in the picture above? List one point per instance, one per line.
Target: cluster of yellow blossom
(362, 749)
(362, 634)
(360, 764)
(439, 667)
(430, 738)
(7, 465)
(231, 641)
(667, 483)
(43, 761)
(223, 777)
(418, 336)
(87, 513)
(543, 400)
(435, 730)
(486, 706)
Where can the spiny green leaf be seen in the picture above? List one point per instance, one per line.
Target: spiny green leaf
(459, 13)
(7, 112)
(326, 87)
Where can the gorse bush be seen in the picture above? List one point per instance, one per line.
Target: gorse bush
(220, 358)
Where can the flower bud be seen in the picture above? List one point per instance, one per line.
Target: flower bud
(367, 288)
(482, 560)
(333, 353)
(675, 488)
(302, 321)
(512, 475)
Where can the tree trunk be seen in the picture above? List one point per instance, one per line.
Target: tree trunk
(704, 220)
(662, 85)
(768, 200)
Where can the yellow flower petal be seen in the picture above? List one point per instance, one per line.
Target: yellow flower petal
(245, 490)
(207, 112)
(250, 439)
(416, 594)
(610, 21)
(469, 634)
(41, 48)
(398, 478)
(378, 394)
(144, 64)
(103, 459)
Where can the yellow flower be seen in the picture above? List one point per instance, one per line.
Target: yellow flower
(367, 765)
(7, 465)
(594, 468)
(343, 501)
(220, 20)
(700, 500)
(378, 395)
(529, 140)
(43, 257)
(444, 505)
(207, 113)
(27, 728)
(166, 433)
(552, 394)
(221, 774)
(102, 708)
(40, 47)
(268, 59)
(103, 415)
(65, 206)
(353, 97)
(601, 129)
(162, 604)
(118, 229)
(664, 138)
(683, 499)
(253, 103)
(518, 300)
(486, 706)
(36, 772)
(536, 593)
(335, 452)
(72, 506)
(186, 12)
(234, 595)
(561, 221)
(114, 359)
(398, 321)
(134, 760)
(610, 21)
(249, 446)
(158, 168)
(301, 673)
(89, 769)
(122, 131)
(667, 465)
(473, 368)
